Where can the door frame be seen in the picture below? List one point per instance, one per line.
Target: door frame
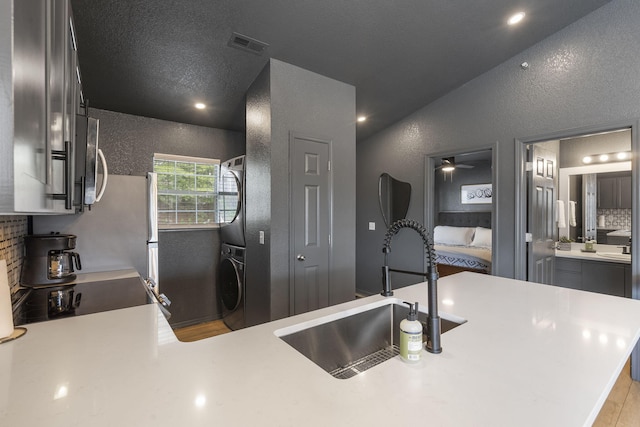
(429, 193)
(329, 142)
(521, 203)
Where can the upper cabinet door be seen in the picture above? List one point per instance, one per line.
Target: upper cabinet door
(624, 185)
(36, 132)
(31, 160)
(614, 190)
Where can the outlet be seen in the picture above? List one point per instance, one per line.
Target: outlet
(372, 226)
(262, 237)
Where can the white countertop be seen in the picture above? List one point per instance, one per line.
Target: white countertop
(620, 233)
(604, 253)
(529, 355)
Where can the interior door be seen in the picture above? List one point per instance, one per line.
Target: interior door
(542, 222)
(310, 198)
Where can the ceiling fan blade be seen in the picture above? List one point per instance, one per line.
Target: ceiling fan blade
(463, 166)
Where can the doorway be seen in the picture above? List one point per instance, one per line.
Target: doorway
(450, 202)
(557, 200)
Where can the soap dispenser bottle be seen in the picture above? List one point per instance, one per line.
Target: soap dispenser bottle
(411, 335)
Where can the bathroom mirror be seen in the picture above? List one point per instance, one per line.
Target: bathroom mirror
(394, 197)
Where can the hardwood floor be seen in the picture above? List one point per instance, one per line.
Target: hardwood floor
(201, 331)
(622, 408)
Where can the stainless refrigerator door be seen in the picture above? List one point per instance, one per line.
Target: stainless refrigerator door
(152, 229)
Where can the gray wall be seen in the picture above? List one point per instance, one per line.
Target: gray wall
(113, 235)
(128, 142)
(585, 75)
(258, 195)
(295, 100)
(573, 150)
(447, 187)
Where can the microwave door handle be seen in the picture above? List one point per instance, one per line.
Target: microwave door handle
(105, 175)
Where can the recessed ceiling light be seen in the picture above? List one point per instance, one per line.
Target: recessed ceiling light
(200, 106)
(587, 159)
(604, 157)
(362, 119)
(621, 156)
(516, 18)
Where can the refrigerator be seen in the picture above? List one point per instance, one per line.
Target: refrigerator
(152, 243)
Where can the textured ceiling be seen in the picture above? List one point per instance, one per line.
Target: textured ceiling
(156, 58)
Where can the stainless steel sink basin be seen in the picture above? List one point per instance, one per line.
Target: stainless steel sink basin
(357, 341)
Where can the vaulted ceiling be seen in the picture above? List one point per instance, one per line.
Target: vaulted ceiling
(156, 58)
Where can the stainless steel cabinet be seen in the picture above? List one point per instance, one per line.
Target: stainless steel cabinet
(37, 132)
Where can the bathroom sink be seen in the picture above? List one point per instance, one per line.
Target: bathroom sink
(352, 343)
(614, 255)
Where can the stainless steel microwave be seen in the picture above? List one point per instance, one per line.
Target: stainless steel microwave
(89, 157)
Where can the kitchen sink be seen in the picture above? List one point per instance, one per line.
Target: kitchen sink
(614, 255)
(356, 341)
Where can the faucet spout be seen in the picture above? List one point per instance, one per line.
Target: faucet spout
(433, 319)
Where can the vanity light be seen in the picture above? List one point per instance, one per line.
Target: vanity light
(607, 157)
(516, 18)
(200, 106)
(362, 119)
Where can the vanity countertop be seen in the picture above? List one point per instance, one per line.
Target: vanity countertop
(603, 253)
(620, 233)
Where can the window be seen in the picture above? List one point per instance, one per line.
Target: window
(187, 191)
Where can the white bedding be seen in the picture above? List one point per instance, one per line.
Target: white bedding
(477, 258)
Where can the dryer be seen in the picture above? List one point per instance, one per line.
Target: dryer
(231, 201)
(231, 285)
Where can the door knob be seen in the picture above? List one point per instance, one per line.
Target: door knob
(300, 257)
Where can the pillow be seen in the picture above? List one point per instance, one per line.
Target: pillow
(447, 235)
(482, 238)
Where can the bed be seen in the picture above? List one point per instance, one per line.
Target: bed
(462, 241)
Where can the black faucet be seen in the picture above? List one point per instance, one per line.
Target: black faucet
(433, 320)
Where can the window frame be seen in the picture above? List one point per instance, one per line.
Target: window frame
(214, 193)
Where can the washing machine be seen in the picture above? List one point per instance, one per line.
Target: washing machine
(231, 285)
(231, 201)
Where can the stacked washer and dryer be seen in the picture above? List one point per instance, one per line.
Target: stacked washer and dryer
(231, 205)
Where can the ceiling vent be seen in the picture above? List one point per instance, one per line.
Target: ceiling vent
(247, 44)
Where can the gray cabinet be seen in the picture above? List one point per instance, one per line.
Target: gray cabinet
(614, 190)
(36, 131)
(595, 276)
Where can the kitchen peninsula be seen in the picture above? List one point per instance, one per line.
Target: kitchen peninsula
(528, 355)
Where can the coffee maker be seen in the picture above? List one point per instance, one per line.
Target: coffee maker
(49, 260)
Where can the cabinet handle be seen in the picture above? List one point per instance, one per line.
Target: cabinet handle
(65, 156)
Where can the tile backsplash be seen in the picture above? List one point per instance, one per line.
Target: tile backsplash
(12, 230)
(619, 219)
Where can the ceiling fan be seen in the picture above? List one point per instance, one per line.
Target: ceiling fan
(449, 164)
